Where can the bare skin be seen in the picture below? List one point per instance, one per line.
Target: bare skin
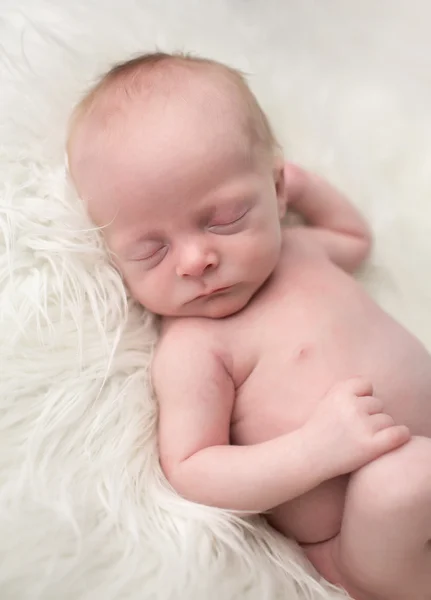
(283, 387)
(310, 327)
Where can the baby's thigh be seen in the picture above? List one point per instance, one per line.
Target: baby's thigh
(385, 539)
(315, 516)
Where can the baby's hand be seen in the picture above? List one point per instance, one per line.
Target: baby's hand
(349, 428)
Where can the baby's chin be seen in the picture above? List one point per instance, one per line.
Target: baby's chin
(218, 306)
(219, 312)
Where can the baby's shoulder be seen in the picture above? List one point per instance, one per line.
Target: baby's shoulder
(299, 244)
(187, 344)
(181, 328)
(180, 336)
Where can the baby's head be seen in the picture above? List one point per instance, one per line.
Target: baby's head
(177, 163)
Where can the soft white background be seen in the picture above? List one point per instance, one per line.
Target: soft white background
(84, 511)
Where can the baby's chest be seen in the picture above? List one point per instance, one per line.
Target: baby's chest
(286, 379)
(289, 368)
(291, 352)
(295, 343)
(301, 321)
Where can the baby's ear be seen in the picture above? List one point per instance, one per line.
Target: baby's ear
(280, 187)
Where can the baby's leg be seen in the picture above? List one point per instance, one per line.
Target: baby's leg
(383, 551)
(315, 516)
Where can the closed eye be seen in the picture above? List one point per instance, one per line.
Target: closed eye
(230, 226)
(152, 258)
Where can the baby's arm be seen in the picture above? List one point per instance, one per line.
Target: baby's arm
(333, 221)
(196, 396)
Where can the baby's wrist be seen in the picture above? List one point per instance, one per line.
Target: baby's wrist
(315, 455)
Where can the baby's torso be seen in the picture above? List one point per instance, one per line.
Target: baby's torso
(311, 326)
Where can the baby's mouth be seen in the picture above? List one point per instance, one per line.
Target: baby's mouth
(215, 291)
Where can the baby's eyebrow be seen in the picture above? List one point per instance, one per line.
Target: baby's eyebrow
(231, 204)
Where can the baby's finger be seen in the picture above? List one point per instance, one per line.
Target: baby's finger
(381, 421)
(370, 404)
(390, 438)
(360, 386)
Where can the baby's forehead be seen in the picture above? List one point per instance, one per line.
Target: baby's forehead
(110, 113)
(202, 87)
(168, 109)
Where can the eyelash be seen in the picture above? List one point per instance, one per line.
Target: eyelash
(227, 225)
(151, 256)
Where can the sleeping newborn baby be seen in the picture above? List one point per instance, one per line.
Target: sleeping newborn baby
(283, 388)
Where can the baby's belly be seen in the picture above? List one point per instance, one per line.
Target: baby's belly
(310, 328)
(281, 393)
(280, 396)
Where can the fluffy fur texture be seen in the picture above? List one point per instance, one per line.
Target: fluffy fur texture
(85, 512)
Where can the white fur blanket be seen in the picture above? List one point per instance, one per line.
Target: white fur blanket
(85, 513)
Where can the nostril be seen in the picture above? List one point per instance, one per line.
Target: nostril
(195, 264)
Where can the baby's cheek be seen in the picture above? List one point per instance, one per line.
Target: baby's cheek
(134, 288)
(263, 249)
(153, 291)
(135, 283)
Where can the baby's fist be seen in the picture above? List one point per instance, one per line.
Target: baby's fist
(350, 428)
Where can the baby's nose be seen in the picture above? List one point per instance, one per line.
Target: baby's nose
(194, 262)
